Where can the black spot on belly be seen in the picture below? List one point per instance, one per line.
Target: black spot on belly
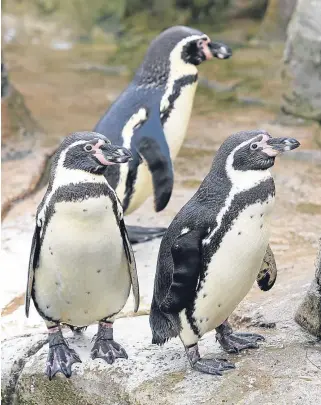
(239, 233)
(47, 306)
(251, 216)
(261, 226)
(57, 283)
(98, 271)
(86, 312)
(68, 302)
(206, 319)
(219, 305)
(262, 215)
(201, 320)
(88, 292)
(69, 320)
(204, 295)
(84, 210)
(51, 253)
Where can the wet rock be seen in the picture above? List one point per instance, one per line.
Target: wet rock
(308, 314)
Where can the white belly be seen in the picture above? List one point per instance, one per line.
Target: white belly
(234, 267)
(82, 275)
(175, 129)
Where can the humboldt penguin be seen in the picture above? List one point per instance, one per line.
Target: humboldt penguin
(151, 118)
(216, 247)
(81, 264)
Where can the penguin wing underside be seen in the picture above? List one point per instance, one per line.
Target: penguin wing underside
(33, 263)
(187, 258)
(268, 272)
(131, 263)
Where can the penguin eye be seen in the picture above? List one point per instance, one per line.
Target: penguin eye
(107, 141)
(88, 147)
(254, 146)
(199, 43)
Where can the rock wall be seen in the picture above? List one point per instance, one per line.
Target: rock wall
(302, 62)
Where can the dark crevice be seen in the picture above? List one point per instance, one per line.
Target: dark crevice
(9, 393)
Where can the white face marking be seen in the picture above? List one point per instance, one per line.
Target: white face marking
(178, 68)
(64, 176)
(184, 231)
(223, 49)
(241, 180)
(220, 56)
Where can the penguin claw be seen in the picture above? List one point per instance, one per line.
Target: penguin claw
(213, 366)
(108, 350)
(235, 342)
(61, 358)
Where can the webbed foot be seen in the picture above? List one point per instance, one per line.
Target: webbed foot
(60, 356)
(208, 366)
(105, 347)
(139, 234)
(235, 342)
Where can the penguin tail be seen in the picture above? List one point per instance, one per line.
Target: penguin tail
(162, 328)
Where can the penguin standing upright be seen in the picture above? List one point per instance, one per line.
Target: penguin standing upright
(215, 247)
(81, 264)
(151, 117)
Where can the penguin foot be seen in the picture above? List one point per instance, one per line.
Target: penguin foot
(60, 357)
(105, 347)
(139, 234)
(207, 366)
(108, 350)
(235, 342)
(213, 366)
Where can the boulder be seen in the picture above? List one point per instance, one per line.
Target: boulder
(308, 314)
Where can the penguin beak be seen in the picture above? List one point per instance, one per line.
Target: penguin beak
(220, 50)
(275, 146)
(109, 154)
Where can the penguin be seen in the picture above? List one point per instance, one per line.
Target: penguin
(151, 118)
(216, 247)
(81, 264)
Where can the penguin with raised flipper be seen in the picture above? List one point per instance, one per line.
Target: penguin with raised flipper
(216, 247)
(81, 264)
(151, 118)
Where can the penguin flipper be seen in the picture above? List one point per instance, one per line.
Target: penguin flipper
(131, 263)
(268, 272)
(151, 144)
(33, 263)
(187, 258)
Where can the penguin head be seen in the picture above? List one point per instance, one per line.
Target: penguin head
(90, 152)
(175, 48)
(254, 150)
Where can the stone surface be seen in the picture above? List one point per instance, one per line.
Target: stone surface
(302, 62)
(308, 314)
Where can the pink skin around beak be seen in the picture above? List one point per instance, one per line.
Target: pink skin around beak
(207, 52)
(267, 149)
(99, 154)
